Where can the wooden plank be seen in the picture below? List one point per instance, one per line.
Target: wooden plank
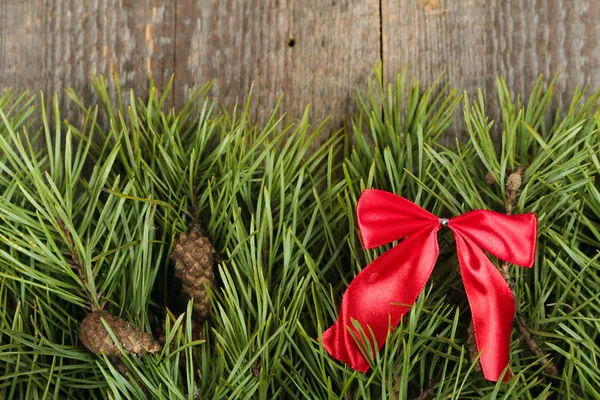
(311, 51)
(20, 49)
(50, 45)
(475, 41)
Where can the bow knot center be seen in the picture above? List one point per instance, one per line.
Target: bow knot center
(444, 221)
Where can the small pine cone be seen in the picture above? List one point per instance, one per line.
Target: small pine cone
(513, 182)
(96, 338)
(489, 178)
(193, 257)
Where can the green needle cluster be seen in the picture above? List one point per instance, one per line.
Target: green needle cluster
(90, 209)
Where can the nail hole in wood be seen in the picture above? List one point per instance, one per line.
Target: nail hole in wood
(291, 42)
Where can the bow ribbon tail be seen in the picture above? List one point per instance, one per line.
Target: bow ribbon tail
(492, 306)
(380, 295)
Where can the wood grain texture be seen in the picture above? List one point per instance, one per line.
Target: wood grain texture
(475, 41)
(310, 51)
(50, 45)
(20, 49)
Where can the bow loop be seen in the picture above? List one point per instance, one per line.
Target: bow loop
(509, 237)
(384, 217)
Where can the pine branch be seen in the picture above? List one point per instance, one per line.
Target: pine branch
(429, 389)
(513, 185)
(279, 207)
(79, 268)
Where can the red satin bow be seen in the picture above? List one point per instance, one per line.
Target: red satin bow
(384, 291)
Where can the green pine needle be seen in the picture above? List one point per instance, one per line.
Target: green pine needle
(89, 221)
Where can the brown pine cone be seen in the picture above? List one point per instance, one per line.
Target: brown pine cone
(193, 257)
(513, 182)
(96, 338)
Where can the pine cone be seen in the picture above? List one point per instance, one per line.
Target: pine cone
(193, 256)
(489, 178)
(513, 182)
(96, 338)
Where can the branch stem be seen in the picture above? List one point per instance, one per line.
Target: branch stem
(78, 266)
(511, 195)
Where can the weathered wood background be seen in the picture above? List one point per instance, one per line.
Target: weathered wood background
(311, 51)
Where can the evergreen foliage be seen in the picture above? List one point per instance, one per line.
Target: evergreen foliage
(88, 222)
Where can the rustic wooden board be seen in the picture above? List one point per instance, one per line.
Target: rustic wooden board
(21, 45)
(475, 41)
(49, 45)
(310, 51)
